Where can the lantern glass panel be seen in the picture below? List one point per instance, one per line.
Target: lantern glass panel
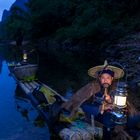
(120, 100)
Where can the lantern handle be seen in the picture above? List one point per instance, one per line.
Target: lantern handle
(121, 66)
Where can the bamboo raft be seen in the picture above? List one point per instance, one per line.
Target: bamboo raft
(77, 129)
(49, 108)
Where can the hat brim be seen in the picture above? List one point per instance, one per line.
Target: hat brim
(118, 73)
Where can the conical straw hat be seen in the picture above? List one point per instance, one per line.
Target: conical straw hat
(118, 73)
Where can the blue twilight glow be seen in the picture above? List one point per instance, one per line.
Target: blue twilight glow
(5, 4)
(17, 117)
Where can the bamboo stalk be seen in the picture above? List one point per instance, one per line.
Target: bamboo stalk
(103, 105)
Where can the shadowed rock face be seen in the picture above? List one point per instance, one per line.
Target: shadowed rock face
(20, 3)
(5, 14)
(127, 53)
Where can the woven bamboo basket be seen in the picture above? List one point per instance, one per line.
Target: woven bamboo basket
(25, 71)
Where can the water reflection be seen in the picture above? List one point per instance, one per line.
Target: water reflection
(0, 63)
(18, 117)
(24, 111)
(27, 123)
(24, 106)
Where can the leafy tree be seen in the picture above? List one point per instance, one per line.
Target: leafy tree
(18, 19)
(99, 22)
(48, 16)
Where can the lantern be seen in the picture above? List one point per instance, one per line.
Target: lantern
(24, 56)
(120, 97)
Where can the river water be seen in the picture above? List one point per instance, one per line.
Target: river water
(18, 119)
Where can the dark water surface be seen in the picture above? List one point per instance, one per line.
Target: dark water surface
(18, 119)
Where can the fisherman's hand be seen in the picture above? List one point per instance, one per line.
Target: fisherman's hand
(105, 107)
(108, 106)
(108, 99)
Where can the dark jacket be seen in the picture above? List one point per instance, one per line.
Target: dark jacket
(85, 93)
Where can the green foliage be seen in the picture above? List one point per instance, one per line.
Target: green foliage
(92, 24)
(47, 16)
(19, 19)
(99, 22)
(30, 78)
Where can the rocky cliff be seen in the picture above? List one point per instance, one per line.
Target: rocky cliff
(18, 3)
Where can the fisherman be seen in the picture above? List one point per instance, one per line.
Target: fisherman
(93, 100)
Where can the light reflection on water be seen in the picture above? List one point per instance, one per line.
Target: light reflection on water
(17, 117)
